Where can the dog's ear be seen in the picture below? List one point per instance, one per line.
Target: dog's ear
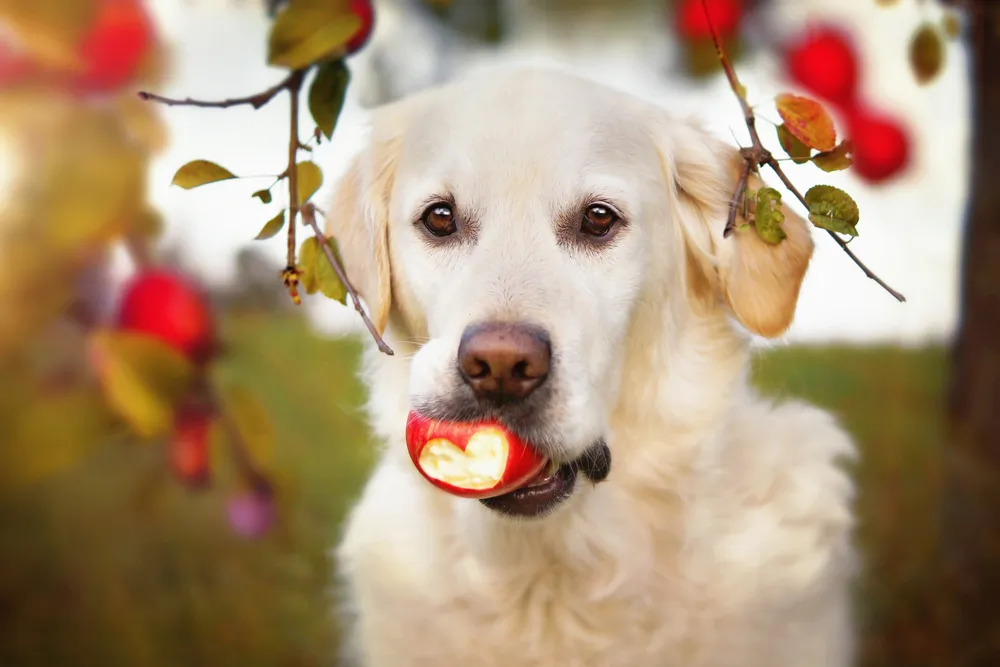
(759, 281)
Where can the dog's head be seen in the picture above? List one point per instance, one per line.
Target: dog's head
(514, 224)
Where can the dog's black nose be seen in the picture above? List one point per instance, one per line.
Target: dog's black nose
(504, 362)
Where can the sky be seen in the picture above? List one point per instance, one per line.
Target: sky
(910, 230)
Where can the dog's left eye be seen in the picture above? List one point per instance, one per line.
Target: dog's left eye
(598, 220)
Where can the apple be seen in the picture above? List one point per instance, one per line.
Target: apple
(470, 459)
(364, 10)
(693, 24)
(112, 52)
(188, 447)
(881, 144)
(825, 63)
(168, 306)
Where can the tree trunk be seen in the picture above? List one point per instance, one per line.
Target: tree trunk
(971, 528)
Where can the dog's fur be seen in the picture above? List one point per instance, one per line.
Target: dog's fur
(722, 536)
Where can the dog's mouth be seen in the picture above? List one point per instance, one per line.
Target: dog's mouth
(553, 485)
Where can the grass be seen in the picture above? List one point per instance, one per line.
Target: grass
(114, 564)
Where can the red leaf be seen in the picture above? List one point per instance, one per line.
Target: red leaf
(808, 121)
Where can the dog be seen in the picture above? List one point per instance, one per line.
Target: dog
(537, 218)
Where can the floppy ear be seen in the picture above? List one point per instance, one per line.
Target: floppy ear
(759, 281)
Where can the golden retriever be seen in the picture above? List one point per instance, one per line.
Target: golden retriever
(588, 225)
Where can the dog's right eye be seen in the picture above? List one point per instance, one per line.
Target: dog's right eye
(439, 219)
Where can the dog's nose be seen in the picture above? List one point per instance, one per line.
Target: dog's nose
(504, 362)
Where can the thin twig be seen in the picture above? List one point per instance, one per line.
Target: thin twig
(255, 101)
(309, 219)
(757, 155)
(294, 86)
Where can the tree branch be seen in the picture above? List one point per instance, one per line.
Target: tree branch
(255, 101)
(294, 87)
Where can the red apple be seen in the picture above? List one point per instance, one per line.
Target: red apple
(470, 459)
(693, 24)
(881, 144)
(188, 447)
(366, 12)
(112, 52)
(825, 63)
(166, 305)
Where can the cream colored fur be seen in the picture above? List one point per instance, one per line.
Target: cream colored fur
(722, 536)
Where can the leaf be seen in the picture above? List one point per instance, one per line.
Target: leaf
(248, 416)
(263, 195)
(273, 226)
(951, 25)
(808, 121)
(307, 264)
(200, 172)
(307, 31)
(326, 276)
(326, 96)
(309, 179)
(837, 159)
(148, 224)
(833, 209)
(142, 378)
(926, 53)
(769, 217)
(794, 148)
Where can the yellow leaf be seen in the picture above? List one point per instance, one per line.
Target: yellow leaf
(249, 418)
(200, 172)
(808, 121)
(49, 30)
(307, 31)
(273, 226)
(310, 178)
(307, 264)
(926, 53)
(263, 195)
(326, 276)
(142, 378)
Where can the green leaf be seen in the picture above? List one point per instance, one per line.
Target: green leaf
(794, 148)
(307, 31)
(926, 53)
(769, 217)
(142, 378)
(248, 416)
(200, 172)
(833, 209)
(309, 179)
(837, 159)
(263, 195)
(808, 121)
(326, 276)
(307, 265)
(327, 93)
(273, 226)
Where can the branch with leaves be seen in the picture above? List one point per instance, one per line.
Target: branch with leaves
(311, 38)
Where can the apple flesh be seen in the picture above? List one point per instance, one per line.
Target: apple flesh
(471, 459)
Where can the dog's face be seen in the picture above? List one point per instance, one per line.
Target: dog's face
(512, 225)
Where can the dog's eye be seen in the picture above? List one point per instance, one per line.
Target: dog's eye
(439, 219)
(598, 219)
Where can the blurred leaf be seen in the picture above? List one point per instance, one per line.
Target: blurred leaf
(49, 30)
(273, 226)
(769, 216)
(309, 179)
(326, 276)
(143, 379)
(833, 209)
(263, 195)
(808, 121)
(951, 25)
(837, 159)
(926, 53)
(794, 148)
(326, 96)
(200, 172)
(143, 122)
(307, 31)
(249, 417)
(307, 264)
(148, 224)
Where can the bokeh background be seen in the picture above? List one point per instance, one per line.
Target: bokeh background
(107, 558)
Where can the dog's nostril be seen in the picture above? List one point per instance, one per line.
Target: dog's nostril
(478, 369)
(520, 371)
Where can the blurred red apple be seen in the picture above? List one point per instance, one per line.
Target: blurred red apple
(470, 459)
(366, 12)
(188, 447)
(881, 144)
(693, 24)
(168, 306)
(825, 63)
(112, 52)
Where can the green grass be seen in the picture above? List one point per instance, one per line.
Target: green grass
(113, 564)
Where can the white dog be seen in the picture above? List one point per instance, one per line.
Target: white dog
(586, 226)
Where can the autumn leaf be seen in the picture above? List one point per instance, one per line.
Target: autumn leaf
(808, 121)
(326, 276)
(832, 209)
(837, 159)
(926, 53)
(273, 226)
(263, 195)
(794, 148)
(309, 179)
(200, 172)
(769, 217)
(327, 93)
(307, 31)
(951, 25)
(307, 265)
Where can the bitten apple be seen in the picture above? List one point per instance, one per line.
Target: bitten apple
(470, 459)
